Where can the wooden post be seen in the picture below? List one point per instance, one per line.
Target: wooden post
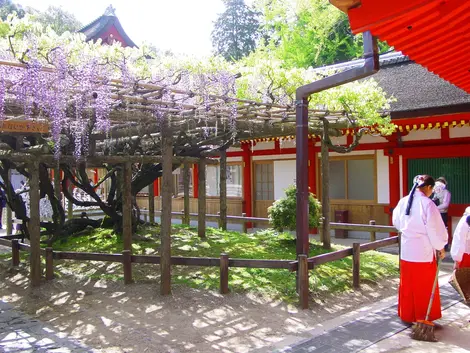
(303, 280)
(201, 204)
(151, 204)
(167, 181)
(356, 265)
(9, 214)
(223, 190)
(372, 234)
(224, 273)
(245, 228)
(127, 217)
(186, 179)
(127, 266)
(325, 196)
(49, 264)
(15, 253)
(34, 225)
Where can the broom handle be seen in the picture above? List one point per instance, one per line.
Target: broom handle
(433, 290)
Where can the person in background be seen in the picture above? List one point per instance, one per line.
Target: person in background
(422, 234)
(442, 198)
(3, 204)
(460, 249)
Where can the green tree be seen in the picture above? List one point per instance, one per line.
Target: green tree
(7, 7)
(59, 20)
(312, 33)
(236, 31)
(283, 213)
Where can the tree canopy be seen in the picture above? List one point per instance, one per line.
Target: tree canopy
(236, 30)
(59, 20)
(306, 33)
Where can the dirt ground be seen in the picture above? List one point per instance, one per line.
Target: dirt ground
(111, 317)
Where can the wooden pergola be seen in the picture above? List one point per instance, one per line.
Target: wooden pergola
(158, 117)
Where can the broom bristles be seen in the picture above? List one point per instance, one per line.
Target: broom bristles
(423, 331)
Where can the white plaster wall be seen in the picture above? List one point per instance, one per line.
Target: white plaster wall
(455, 132)
(234, 159)
(269, 145)
(367, 138)
(352, 153)
(419, 135)
(383, 181)
(287, 144)
(284, 175)
(341, 140)
(274, 157)
(234, 149)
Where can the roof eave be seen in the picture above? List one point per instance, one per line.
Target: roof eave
(345, 5)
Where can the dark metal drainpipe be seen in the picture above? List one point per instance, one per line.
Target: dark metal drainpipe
(371, 66)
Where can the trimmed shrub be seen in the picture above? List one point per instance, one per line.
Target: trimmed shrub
(283, 213)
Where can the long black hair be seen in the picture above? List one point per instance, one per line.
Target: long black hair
(418, 182)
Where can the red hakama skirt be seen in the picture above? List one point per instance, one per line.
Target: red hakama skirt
(465, 261)
(414, 293)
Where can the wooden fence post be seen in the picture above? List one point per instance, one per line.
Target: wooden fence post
(224, 273)
(127, 266)
(15, 253)
(303, 280)
(49, 264)
(372, 234)
(245, 229)
(34, 225)
(356, 265)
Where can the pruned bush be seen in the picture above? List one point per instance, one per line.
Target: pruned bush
(283, 213)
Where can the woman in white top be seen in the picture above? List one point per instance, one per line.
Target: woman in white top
(422, 234)
(460, 249)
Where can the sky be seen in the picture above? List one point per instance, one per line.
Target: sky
(183, 26)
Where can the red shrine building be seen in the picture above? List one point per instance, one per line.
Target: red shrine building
(432, 136)
(107, 28)
(430, 78)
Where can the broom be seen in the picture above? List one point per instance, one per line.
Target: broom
(423, 330)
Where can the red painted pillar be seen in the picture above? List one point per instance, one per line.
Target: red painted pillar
(95, 176)
(247, 184)
(156, 189)
(394, 180)
(195, 181)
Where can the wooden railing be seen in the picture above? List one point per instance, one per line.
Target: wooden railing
(302, 265)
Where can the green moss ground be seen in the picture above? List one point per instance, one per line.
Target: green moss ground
(329, 278)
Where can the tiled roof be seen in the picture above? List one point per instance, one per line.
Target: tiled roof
(95, 29)
(412, 85)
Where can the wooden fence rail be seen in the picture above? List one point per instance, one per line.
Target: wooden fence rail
(302, 264)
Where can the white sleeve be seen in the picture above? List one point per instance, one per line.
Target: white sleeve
(435, 227)
(459, 240)
(445, 201)
(397, 213)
